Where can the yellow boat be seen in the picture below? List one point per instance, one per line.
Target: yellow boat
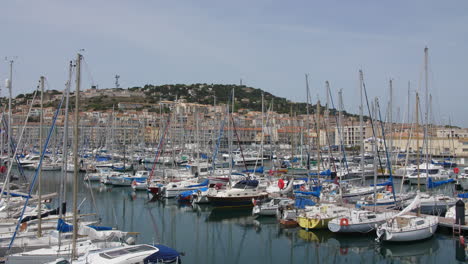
(319, 216)
(313, 223)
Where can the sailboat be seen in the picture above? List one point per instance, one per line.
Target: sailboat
(241, 194)
(128, 254)
(318, 217)
(404, 228)
(77, 247)
(360, 221)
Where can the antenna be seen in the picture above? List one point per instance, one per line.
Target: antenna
(117, 84)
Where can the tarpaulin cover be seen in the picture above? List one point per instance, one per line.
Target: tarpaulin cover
(383, 183)
(316, 194)
(322, 173)
(301, 202)
(433, 184)
(185, 194)
(463, 195)
(102, 158)
(258, 170)
(43, 215)
(63, 227)
(165, 254)
(243, 183)
(204, 183)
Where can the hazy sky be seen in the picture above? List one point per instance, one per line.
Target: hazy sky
(269, 44)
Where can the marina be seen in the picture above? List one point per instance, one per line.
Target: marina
(239, 132)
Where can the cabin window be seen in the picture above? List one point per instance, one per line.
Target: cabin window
(420, 222)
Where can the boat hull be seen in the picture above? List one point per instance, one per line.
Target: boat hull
(313, 223)
(233, 201)
(407, 236)
(353, 228)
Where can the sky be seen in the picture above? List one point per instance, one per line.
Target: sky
(268, 44)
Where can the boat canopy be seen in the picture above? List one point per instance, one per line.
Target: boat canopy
(433, 184)
(185, 194)
(301, 202)
(246, 184)
(258, 170)
(102, 158)
(383, 183)
(164, 255)
(203, 183)
(63, 227)
(463, 195)
(316, 194)
(322, 173)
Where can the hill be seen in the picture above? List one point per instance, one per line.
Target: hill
(246, 97)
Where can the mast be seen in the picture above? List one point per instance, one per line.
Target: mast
(327, 116)
(309, 152)
(75, 155)
(10, 87)
(263, 134)
(9, 150)
(376, 154)
(340, 119)
(390, 121)
(418, 157)
(63, 190)
(426, 82)
(361, 124)
(230, 135)
(318, 138)
(409, 98)
(39, 188)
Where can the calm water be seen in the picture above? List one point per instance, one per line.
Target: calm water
(208, 235)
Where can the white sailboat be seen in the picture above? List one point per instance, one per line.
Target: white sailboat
(360, 221)
(405, 228)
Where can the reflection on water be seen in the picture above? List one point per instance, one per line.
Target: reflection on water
(234, 236)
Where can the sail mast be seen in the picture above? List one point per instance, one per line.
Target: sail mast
(327, 116)
(39, 188)
(9, 150)
(426, 82)
(318, 139)
(361, 125)
(75, 155)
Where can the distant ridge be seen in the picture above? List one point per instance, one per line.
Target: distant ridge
(246, 97)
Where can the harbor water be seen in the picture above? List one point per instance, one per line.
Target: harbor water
(232, 236)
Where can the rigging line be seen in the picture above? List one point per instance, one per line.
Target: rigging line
(88, 71)
(13, 147)
(239, 143)
(218, 142)
(386, 152)
(37, 171)
(159, 148)
(12, 140)
(329, 145)
(7, 178)
(339, 133)
(372, 125)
